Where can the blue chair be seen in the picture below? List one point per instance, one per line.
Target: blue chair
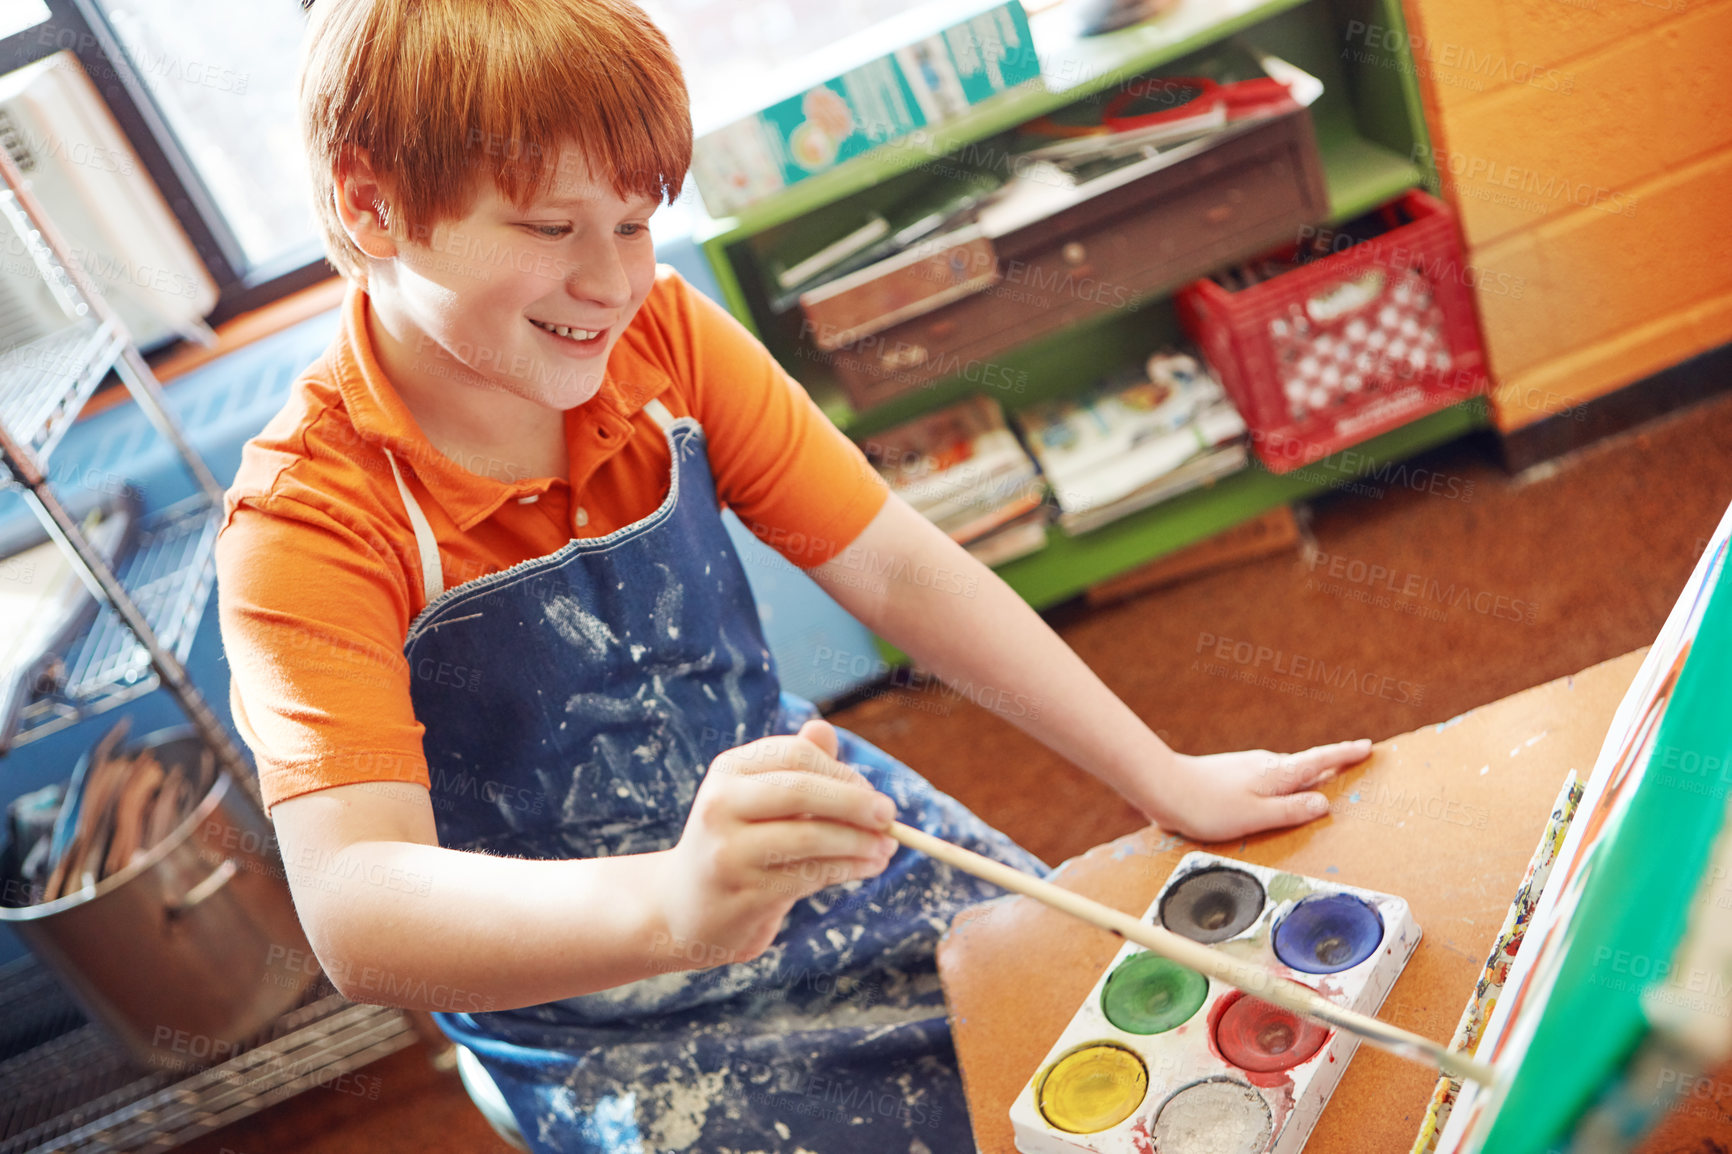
(487, 1098)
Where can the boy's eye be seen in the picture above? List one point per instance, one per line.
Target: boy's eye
(633, 229)
(549, 230)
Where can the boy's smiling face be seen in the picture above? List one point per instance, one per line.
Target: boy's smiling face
(526, 299)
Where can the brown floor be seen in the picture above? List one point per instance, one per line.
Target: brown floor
(1597, 545)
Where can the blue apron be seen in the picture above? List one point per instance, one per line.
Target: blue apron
(572, 704)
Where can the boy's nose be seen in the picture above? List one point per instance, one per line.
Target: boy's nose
(599, 275)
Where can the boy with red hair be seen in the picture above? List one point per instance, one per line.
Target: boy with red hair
(522, 740)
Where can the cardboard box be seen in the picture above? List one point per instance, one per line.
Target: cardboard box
(919, 85)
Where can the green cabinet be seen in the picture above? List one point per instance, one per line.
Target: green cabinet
(1371, 136)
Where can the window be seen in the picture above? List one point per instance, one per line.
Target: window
(204, 90)
(729, 48)
(21, 14)
(190, 85)
(223, 76)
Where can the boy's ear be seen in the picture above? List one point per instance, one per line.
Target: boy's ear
(363, 207)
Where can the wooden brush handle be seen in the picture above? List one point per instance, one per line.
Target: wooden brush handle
(1254, 979)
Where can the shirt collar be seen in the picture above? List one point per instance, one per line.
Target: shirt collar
(379, 415)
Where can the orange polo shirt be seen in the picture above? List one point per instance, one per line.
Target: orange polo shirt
(318, 576)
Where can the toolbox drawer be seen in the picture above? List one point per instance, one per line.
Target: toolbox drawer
(1248, 193)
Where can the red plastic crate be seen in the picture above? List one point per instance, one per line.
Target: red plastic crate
(1333, 352)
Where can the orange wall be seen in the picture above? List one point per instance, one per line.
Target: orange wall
(1587, 145)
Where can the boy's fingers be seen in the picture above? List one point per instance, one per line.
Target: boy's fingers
(787, 794)
(823, 735)
(1295, 809)
(783, 754)
(803, 879)
(1304, 807)
(790, 843)
(1345, 753)
(1316, 765)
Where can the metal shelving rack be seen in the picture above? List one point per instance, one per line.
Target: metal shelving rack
(65, 1083)
(156, 598)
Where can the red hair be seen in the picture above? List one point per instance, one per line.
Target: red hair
(435, 94)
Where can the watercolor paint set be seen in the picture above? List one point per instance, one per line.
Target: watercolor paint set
(1162, 1060)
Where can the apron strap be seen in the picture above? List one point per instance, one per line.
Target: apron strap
(432, 572)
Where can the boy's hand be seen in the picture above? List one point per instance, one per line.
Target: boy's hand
(772, 822)
(1228, 795)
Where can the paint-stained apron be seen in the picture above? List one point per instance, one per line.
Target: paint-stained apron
(572, 704)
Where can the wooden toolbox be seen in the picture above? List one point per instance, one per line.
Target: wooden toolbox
(1151, 227)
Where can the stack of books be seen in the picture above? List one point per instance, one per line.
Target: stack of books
(1136, 439)
(963, 468)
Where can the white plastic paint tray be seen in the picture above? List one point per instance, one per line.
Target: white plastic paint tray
(1233, 1075)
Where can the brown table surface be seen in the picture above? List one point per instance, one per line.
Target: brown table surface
(1446, 817)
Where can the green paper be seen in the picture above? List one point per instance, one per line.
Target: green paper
(1634, 907)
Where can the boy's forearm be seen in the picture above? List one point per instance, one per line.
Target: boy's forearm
(418, 926)
(979, 636)
(996, 650)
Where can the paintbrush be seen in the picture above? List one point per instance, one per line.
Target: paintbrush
(1247, 976)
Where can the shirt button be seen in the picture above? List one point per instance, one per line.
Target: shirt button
(581, 517)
